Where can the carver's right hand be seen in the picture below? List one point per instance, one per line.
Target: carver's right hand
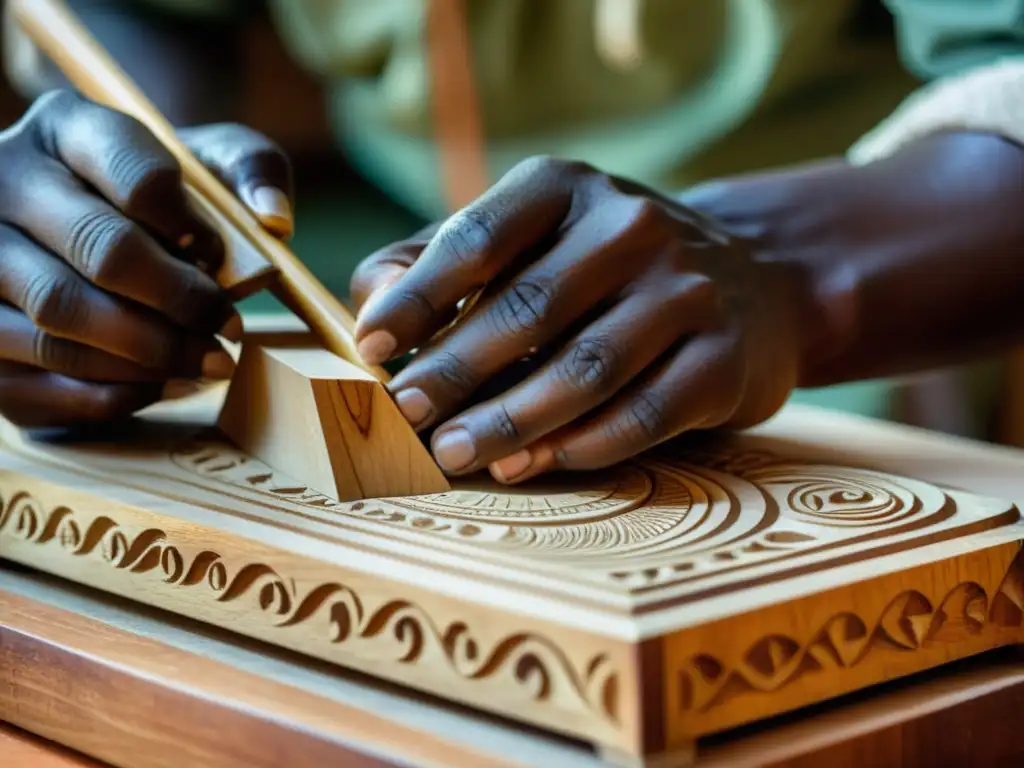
(106, 298)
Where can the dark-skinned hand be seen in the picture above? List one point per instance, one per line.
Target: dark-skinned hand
(648, 321)
(106, 299)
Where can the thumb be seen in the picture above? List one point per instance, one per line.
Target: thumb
(252, 166)
(382, 277)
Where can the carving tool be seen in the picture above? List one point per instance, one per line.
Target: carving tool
(53, 28)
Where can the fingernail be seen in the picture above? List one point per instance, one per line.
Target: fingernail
(508, 469)
(415, 406)
(233, 329)
(272, 207)
(454, 450)
(218, 365)
(178, 389)
(377, 348)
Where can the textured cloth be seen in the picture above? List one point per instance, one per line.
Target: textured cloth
(667, 92)
(987, 99)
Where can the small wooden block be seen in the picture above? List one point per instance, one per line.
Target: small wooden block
(326, 423)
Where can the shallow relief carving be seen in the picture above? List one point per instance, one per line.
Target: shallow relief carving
(397, 631)
(908, 623)
(650, 524)
(655, 524)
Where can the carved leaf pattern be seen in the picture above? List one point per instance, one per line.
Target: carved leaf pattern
(533, 663)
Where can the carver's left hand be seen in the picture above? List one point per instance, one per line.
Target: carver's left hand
(652, 321)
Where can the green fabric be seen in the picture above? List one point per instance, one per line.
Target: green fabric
(723, 86)
(720, 87)
(942, 37)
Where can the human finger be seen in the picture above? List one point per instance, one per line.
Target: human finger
(471, 248)
(586, 373)
(32, 398)
(61, 303)
(253, 166)
(697, 388)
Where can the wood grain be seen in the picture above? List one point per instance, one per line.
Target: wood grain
(327, 424)
(759, 583)
(964, 714)
(134, 702)
(19, 749)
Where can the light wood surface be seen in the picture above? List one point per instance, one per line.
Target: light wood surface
(81, 659)
(640, 608)
(326, 424)
(127, 686)
(20, 749)
(55, 30)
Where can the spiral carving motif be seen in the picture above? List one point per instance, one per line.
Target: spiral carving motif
(839, 502)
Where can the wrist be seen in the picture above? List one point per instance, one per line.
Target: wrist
(905, 264)
(787, 225)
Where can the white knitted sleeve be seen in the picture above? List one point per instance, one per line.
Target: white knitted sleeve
(988, 99)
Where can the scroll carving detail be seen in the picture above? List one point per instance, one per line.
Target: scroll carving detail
(396, 629)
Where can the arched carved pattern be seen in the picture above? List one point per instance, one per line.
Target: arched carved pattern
(907, 623)
(649, 523)
(396, 630)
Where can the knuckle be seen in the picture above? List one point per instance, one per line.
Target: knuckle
(417, 305)
(466, 236)
(142, 180)
(549, 167)
(53, 304)
(647, 418)
(539, 165)
(40, 119)
(458, 376)
(97, 243)
(592, 366)
(55, 354)
(503, 425)
(524, 308)
(55, 103)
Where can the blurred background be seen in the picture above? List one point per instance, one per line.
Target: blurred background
(837, 75)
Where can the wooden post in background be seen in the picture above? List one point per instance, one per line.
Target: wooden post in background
(458, 118)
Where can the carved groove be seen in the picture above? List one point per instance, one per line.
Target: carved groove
(537, 665)
(906, 624)
(648, 525)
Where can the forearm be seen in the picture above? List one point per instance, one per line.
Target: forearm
(909, 263)
(188, 66)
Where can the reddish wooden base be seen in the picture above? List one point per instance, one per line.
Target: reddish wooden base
(137, 688)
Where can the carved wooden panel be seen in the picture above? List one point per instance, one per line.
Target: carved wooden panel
(640, 607)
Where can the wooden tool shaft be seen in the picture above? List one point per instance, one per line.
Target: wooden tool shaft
(54, 29)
